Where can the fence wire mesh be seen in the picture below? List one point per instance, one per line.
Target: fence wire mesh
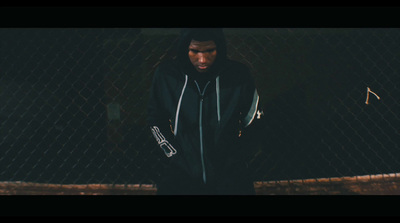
(73, 102)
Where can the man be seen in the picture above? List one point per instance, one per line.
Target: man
(203, 112)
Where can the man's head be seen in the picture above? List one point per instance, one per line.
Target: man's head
(202, 54)
(202, 48)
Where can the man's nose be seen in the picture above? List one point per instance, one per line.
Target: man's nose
(202, 58)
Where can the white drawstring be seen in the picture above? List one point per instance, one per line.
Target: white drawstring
(179, 106)
(218, 104)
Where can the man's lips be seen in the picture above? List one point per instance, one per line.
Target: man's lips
(202, 67)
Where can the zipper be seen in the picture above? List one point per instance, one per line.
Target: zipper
(201, 129)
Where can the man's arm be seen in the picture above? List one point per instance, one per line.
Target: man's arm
(252, 121)
(158, 119)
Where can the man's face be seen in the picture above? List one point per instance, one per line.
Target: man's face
(202, 54)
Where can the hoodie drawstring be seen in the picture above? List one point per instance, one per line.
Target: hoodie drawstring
(218, 104)
(180, 101)
(178, 108)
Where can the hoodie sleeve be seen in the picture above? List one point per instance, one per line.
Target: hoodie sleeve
(252, 121)
(158, 119)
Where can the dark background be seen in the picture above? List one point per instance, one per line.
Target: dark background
(73, 100)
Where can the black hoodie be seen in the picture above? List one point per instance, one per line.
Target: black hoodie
(202, 127)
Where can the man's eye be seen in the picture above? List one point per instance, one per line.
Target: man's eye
(205, 51)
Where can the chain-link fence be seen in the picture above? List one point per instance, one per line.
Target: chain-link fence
(73, 102)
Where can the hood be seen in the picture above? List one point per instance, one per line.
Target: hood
(200, 34)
